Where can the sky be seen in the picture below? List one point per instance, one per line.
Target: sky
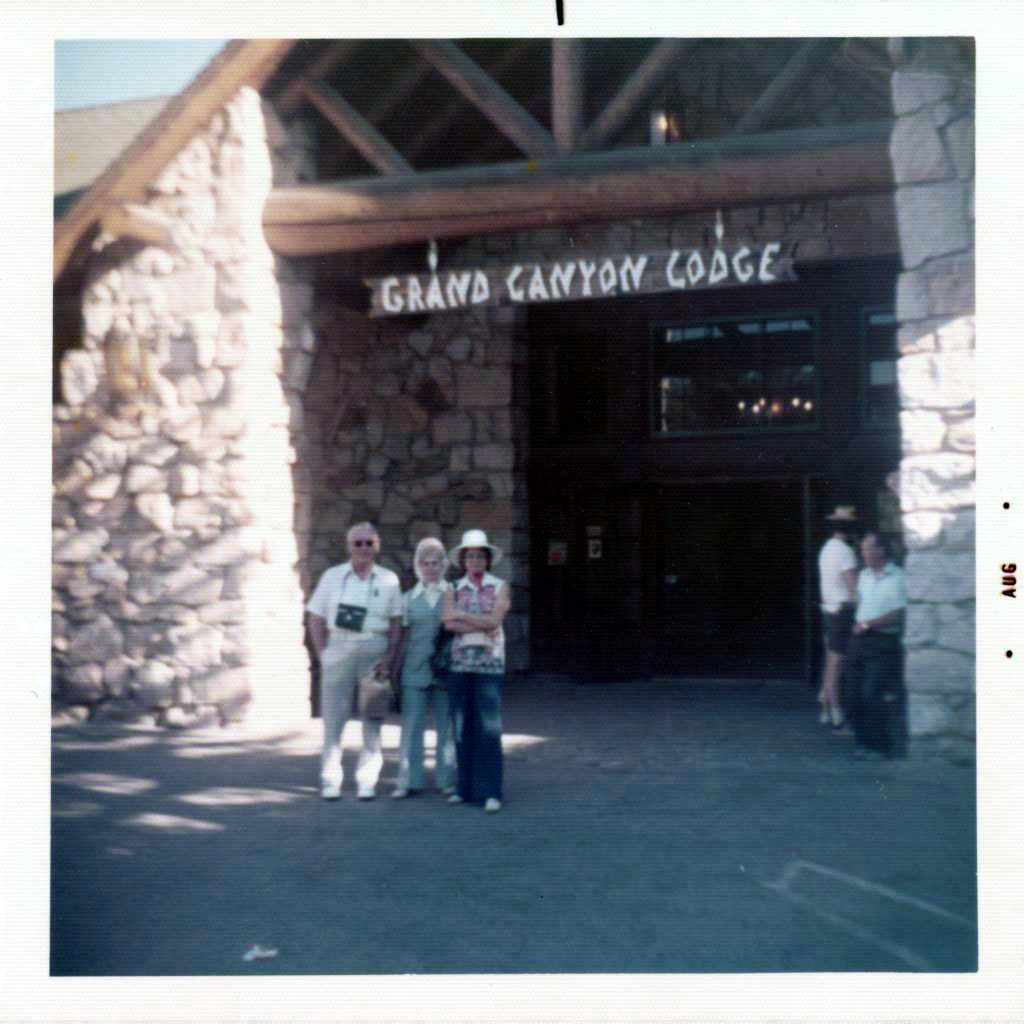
(89, 72)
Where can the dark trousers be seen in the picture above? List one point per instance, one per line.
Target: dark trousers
(873, 692)
(476, 711)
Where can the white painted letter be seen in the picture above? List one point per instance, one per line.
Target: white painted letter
(695, 266)
(670, 271)
(390, 297)
(435, 300)
(587, 270)
(561, 277)
(514, 293)
(481, 287)
(770, 252)
(743, 270)
(719, 267)
(415, 295)
(538, 291)
(607, 276)
(458, 289)
(629, 269)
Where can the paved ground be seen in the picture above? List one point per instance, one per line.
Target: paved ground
(649, 827)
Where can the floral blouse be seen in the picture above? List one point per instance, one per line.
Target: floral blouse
(479, 652)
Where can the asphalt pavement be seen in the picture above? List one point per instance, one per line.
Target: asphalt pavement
(648, 827)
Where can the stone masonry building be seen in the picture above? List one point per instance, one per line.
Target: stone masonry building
(227, 407)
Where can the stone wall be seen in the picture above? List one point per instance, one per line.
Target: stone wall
(415, 428)
(933, 164)
(175, 591)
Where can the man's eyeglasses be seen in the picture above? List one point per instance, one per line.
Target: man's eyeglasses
(362, 543)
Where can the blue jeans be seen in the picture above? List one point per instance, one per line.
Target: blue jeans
(476, 710)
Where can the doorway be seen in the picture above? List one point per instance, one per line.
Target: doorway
(733, 581)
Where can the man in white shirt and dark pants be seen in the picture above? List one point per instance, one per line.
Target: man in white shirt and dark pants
(875, 662)
(837, 573)
(355, 621)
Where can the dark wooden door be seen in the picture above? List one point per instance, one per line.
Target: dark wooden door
(733, 594)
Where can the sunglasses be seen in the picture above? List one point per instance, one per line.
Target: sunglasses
(362, 543)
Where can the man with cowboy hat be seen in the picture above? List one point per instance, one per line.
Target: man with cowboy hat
(837, 573)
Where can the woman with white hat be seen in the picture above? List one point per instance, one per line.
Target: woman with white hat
(473, 610)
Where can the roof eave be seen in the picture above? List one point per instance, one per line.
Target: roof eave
(242, 62)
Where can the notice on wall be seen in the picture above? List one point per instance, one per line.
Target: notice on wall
(558, 552)
(579, 277)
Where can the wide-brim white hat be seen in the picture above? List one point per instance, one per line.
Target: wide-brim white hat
(474, 539)
(843, 514)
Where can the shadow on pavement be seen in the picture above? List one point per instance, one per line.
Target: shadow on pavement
(648, 827)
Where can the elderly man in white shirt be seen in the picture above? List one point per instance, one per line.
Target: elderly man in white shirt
(875, 664)
(355, 621)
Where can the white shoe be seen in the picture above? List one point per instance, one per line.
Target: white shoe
(399, 793)
(366, 793)
(492, 805)
(331, 791)
(455, 799)
(447, 791)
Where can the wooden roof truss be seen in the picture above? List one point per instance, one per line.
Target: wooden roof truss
(489, 135)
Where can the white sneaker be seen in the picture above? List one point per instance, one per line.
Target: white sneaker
(447, 791)
(331, 791)
(366, 793)
(492, 805)
(399, 794)
(455, 799)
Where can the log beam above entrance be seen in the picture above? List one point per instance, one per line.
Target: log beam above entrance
(736, 171)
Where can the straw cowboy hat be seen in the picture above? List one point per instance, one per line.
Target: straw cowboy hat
(474, 539)
(842, 514)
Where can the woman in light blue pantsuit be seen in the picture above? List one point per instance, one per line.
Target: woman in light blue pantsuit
(420, 690)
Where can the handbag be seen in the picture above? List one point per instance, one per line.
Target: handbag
(441, 660)
(374, 693)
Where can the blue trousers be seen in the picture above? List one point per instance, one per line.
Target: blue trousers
(476, 710)
(874, 693)
(415, 702)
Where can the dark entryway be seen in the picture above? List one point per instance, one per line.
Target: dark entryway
(683, 451)
(704, 579)
(732, 579)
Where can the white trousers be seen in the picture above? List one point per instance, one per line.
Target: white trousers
(341, 665)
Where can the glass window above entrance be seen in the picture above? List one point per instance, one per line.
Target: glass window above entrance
(736, 374)
(880, 399)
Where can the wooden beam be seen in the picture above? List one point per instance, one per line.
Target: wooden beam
(634, 93)
(399, 90)
(437, 126)
(776, 167)
(242, 62)
(129, 220)
(359, 132)
(567, 86)
(787, 83)
(870, 68)
(294, 94)
(493, 101)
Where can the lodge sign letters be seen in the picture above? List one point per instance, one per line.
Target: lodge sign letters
(578, 277)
